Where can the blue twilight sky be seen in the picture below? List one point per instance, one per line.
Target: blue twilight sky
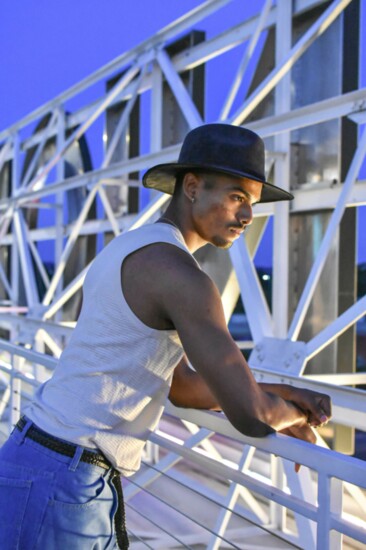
(48, 46)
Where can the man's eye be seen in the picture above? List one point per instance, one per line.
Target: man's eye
(238, 198)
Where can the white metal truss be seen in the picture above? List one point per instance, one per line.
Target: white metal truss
(317, 507)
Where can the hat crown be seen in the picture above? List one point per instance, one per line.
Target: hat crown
(222, 148)
(225, 148)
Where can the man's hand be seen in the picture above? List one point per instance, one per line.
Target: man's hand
(304, 432)
(317, 406)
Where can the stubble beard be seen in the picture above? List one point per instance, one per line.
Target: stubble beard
(221, 243)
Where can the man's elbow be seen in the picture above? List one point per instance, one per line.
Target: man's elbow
(252, 426)
(174, 399)
(179, 400)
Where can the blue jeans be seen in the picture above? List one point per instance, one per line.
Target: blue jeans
(49, 501)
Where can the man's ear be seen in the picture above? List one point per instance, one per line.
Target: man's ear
(190, 185)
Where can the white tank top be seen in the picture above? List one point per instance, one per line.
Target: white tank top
(111, 383)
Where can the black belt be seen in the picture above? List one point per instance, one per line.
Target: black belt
(90, 457)
(62, 447)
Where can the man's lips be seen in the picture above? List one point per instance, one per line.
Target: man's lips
(237, 230)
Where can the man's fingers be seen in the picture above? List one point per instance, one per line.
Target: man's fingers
(305, 432)
(321, 412)
(326, 406)
(308, 434)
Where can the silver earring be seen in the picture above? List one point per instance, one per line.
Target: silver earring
(193, 200)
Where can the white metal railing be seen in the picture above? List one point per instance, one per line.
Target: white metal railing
(334, 471)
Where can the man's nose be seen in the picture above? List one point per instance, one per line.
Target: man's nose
(245, 214)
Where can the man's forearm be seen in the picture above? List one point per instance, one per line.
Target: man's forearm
(189, 390)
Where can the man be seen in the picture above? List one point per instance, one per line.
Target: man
(147, 310)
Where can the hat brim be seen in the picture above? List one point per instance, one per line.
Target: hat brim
(162, 178)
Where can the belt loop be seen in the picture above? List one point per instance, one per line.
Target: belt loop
(21, 435)
(76, 458)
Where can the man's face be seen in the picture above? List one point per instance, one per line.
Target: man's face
(223, 207)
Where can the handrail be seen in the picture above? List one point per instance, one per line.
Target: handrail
(328, 464)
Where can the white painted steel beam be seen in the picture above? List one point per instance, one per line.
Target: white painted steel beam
(246, 480)
(256, 307)
(69, 247)
(50, 128)
(310, 197)
(167, 462)
(320, 25)
(5, 221)
(156, 117)
(315, 113)
(231, 500)
(65, 295)
(336, 328)
(334, 221)
(123, 121)
(122, 83)
(169, 154)
(120, 128)
(41, 269)
(305, 200)
(59, 212)
(328, 503)
(6, 152)
(332, 463)
(31, 325)
(28, 354)
(263, 14)
(281, 225)
(6, 284)
(340, 379)
(180, 92)
(77, 283)
(28, 275)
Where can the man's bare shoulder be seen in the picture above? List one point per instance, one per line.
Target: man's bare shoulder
(164, 260)
(160, 280)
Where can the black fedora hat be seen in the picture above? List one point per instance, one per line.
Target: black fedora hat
(223, 148)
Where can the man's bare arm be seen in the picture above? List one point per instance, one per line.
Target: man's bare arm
(173, 292)
(196, 312)
(190, 390)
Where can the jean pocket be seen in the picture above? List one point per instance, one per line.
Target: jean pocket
(79, 489)
(85, 521)
(14, 495)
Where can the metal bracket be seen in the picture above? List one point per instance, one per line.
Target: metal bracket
(275, 354)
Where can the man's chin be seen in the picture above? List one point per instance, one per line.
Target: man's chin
(224, 244)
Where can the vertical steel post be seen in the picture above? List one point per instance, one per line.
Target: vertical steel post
(14, 384)
(156, 117)
(59, 211)
(330, 491)
(15, 183)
